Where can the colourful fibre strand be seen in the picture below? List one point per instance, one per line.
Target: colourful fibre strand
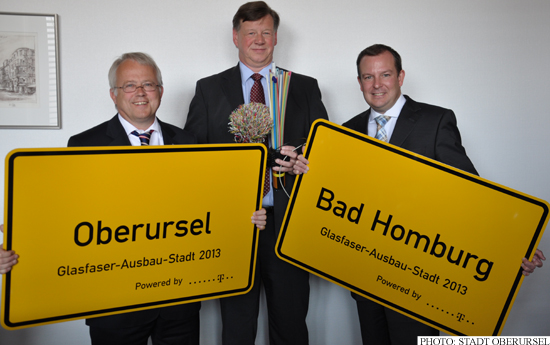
(279, 82)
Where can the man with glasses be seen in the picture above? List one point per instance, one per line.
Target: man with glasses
(136, 89)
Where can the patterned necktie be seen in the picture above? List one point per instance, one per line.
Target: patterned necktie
(257, 96)
(381, 121)
(143, 137)
(257, 92)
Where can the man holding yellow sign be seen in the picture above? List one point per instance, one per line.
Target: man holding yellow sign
(424, 129)
(136, 89)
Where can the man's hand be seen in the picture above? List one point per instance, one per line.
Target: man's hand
(529, 266)
(259, 218)
(7, 258)
(301, 166)
(288, 164)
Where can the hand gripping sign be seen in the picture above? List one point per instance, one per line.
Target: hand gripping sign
(430, 241)
(108, 230)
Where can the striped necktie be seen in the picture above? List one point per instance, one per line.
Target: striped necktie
(143, 137)
(381, 121)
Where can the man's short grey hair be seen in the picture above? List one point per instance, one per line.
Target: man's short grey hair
(141, 58)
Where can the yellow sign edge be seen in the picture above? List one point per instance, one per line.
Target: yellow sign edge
(8, 195)
(433, 163)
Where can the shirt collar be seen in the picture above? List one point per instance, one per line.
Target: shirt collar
(393, 111)
(129, 128)
(246, 72)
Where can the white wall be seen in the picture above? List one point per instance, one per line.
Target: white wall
(486, 60)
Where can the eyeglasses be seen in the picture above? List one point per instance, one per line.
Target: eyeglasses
(129, 88)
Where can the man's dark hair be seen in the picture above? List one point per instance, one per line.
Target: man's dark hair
(252, 11)
(377, 49)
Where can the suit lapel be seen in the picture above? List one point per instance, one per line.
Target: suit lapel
(117, 134)
(405, 122)
(167, 133)
(363, 124)
(232, 87)
(119, 138)
(292, 123)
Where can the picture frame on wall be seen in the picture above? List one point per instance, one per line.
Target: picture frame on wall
(29, 71)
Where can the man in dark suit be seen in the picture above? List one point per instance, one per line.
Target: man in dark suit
(136, 90)
(422, 128)
(287, 287)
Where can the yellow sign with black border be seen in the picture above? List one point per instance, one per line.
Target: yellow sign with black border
(107, 230)
(433, 242)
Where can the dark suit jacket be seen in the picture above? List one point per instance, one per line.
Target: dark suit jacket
(218, 95)
(111, 133)
(424, 129)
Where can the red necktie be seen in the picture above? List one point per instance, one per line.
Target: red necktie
(257, 96)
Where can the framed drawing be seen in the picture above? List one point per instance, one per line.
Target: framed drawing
(29, 71)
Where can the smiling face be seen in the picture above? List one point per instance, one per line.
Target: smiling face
(256, 41)
(138, 107)
(380, 82)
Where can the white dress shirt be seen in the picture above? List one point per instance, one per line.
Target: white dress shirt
(247, 82)
(393, 113)
(156, 136)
